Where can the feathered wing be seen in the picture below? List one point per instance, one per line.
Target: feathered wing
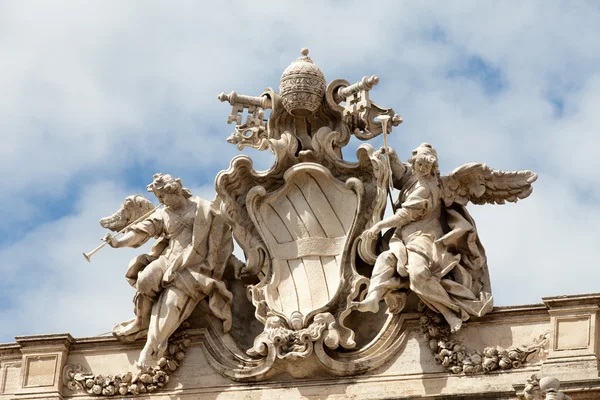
(132, 208)
(480, 184)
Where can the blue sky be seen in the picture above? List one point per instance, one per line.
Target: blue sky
(98, 96)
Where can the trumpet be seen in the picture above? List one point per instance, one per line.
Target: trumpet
(89, 255)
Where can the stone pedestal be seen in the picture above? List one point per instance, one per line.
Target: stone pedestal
(32, 367)
(42, 360)
(573, 352)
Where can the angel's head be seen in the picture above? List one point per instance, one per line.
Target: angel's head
(424, 160)
(168, 190)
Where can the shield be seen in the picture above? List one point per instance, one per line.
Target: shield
(305, 225)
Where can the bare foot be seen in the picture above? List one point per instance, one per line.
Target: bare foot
(456, 326)
(146, 358)
(367, 305)
(140, 366)
(453, 320)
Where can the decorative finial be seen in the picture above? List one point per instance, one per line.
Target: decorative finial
(304, 51)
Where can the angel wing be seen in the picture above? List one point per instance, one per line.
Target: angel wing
(132, 208)
(480, 184)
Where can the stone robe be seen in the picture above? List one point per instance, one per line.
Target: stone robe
(185, 265)
(438, 250)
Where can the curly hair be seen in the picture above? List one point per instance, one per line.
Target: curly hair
(427, 153)
(166, 184)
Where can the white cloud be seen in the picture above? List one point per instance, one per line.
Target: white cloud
(95, 93)
(542, 246)
(51, 286)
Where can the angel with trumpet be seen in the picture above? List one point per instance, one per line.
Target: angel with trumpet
(434, 249)
(185, 265)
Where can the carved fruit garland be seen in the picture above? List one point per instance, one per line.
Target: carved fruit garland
(455, 357)
(147, 380)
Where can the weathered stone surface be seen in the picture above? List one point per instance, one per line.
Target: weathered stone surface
(410, 373)
(331, 300)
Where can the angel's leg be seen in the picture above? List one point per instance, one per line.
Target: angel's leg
(383, 279)
(430, 290)
(148, 287)
(169, 311)
(134, 328)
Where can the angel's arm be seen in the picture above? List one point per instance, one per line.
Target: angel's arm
(130, 239)
(397, 166)
(413, 209)
(139, 233)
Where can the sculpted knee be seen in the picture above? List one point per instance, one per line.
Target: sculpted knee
(142, 286)
(387, 258)
(146, 284)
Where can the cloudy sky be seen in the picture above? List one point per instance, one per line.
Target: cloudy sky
(97, 96)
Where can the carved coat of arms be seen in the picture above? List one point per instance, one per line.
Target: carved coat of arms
(299, 223)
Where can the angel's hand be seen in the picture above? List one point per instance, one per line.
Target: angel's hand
(372, 232)
(384, 150)
(110, 240)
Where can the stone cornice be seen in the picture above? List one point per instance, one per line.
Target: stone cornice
(35, 343)
(572, 300)
(498, 312)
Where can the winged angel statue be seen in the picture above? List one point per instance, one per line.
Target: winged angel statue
(434, 249)
(185, 264)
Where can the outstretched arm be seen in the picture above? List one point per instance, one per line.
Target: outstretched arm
(130, 239)
(397, 220)
(413, 209)
(138, 234)
(397, 166)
